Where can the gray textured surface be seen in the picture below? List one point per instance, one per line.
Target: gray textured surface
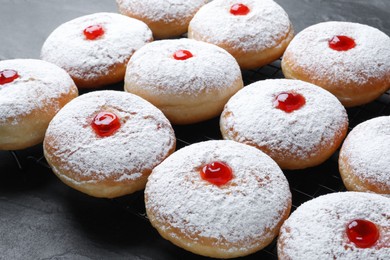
(40, 218)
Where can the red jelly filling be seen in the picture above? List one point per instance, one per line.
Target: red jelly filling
(93, 32)
(239, 9)
(105, 123)
(289, 101)
(182, 55)
(362, 233)
(7, 76)
(217, 173)
(341, 43)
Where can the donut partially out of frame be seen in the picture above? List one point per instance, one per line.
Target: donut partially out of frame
(31, 93)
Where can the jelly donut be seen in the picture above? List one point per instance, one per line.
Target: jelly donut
(167, 19)
(254, 32)
(364, 160)
(31, 93)
(94, 49)
(190, 81)
(296, 123)
(345, 225)
(218, 198)
(350, 60)
(106, 143)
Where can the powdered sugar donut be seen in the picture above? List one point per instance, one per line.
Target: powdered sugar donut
(347, 225)
(168, 18)
(218, 198)
(94, 49)
(190, 81)
(106, 143)
(350, 60)
(254, 32)
(364, 160)
(31, 93)
(296, 123)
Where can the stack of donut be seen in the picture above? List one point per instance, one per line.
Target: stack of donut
(225, 198)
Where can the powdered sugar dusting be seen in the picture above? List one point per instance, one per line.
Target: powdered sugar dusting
(370, 58)
(67, 47)
(39, 83)
(367, 149)
(211, 68)
(251, 116)
(260, 29)
(241, 211)
(143, 140)
(316, 230)
(167, 10)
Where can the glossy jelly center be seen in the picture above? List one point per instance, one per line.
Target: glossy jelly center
(182, 55)
(7, 76)
(289, 101)
(217, 173)
(105, 123)
(341, 43)
(239, 9)
(362, 233)
(93, 32)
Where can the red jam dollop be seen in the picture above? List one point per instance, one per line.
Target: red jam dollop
(341, 43)
(182, 55)
(93, 32)
(7, 76)
(289, 101)
(105, 124)
(362, 233)
(217, 173)
(239, 9)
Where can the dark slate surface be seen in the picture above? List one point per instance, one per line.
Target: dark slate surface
(41, 218)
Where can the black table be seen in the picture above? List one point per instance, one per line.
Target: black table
(41, 218)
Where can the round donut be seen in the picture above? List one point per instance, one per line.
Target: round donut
(302, 137)
(94, 49)
(167, 19)
(217, 214)
(350, 60)
(106, 143)
(327, 227)
(31, 93)
(364, 160)
(255, 38)
(190, 81)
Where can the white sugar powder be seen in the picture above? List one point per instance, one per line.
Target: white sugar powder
(260, 29)
(143, 140)
(241, 211)
(211, 68)
(369, 59)
(367, 150)
(252, 117)
(67, 47)
(38, 84)
(316, 230)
